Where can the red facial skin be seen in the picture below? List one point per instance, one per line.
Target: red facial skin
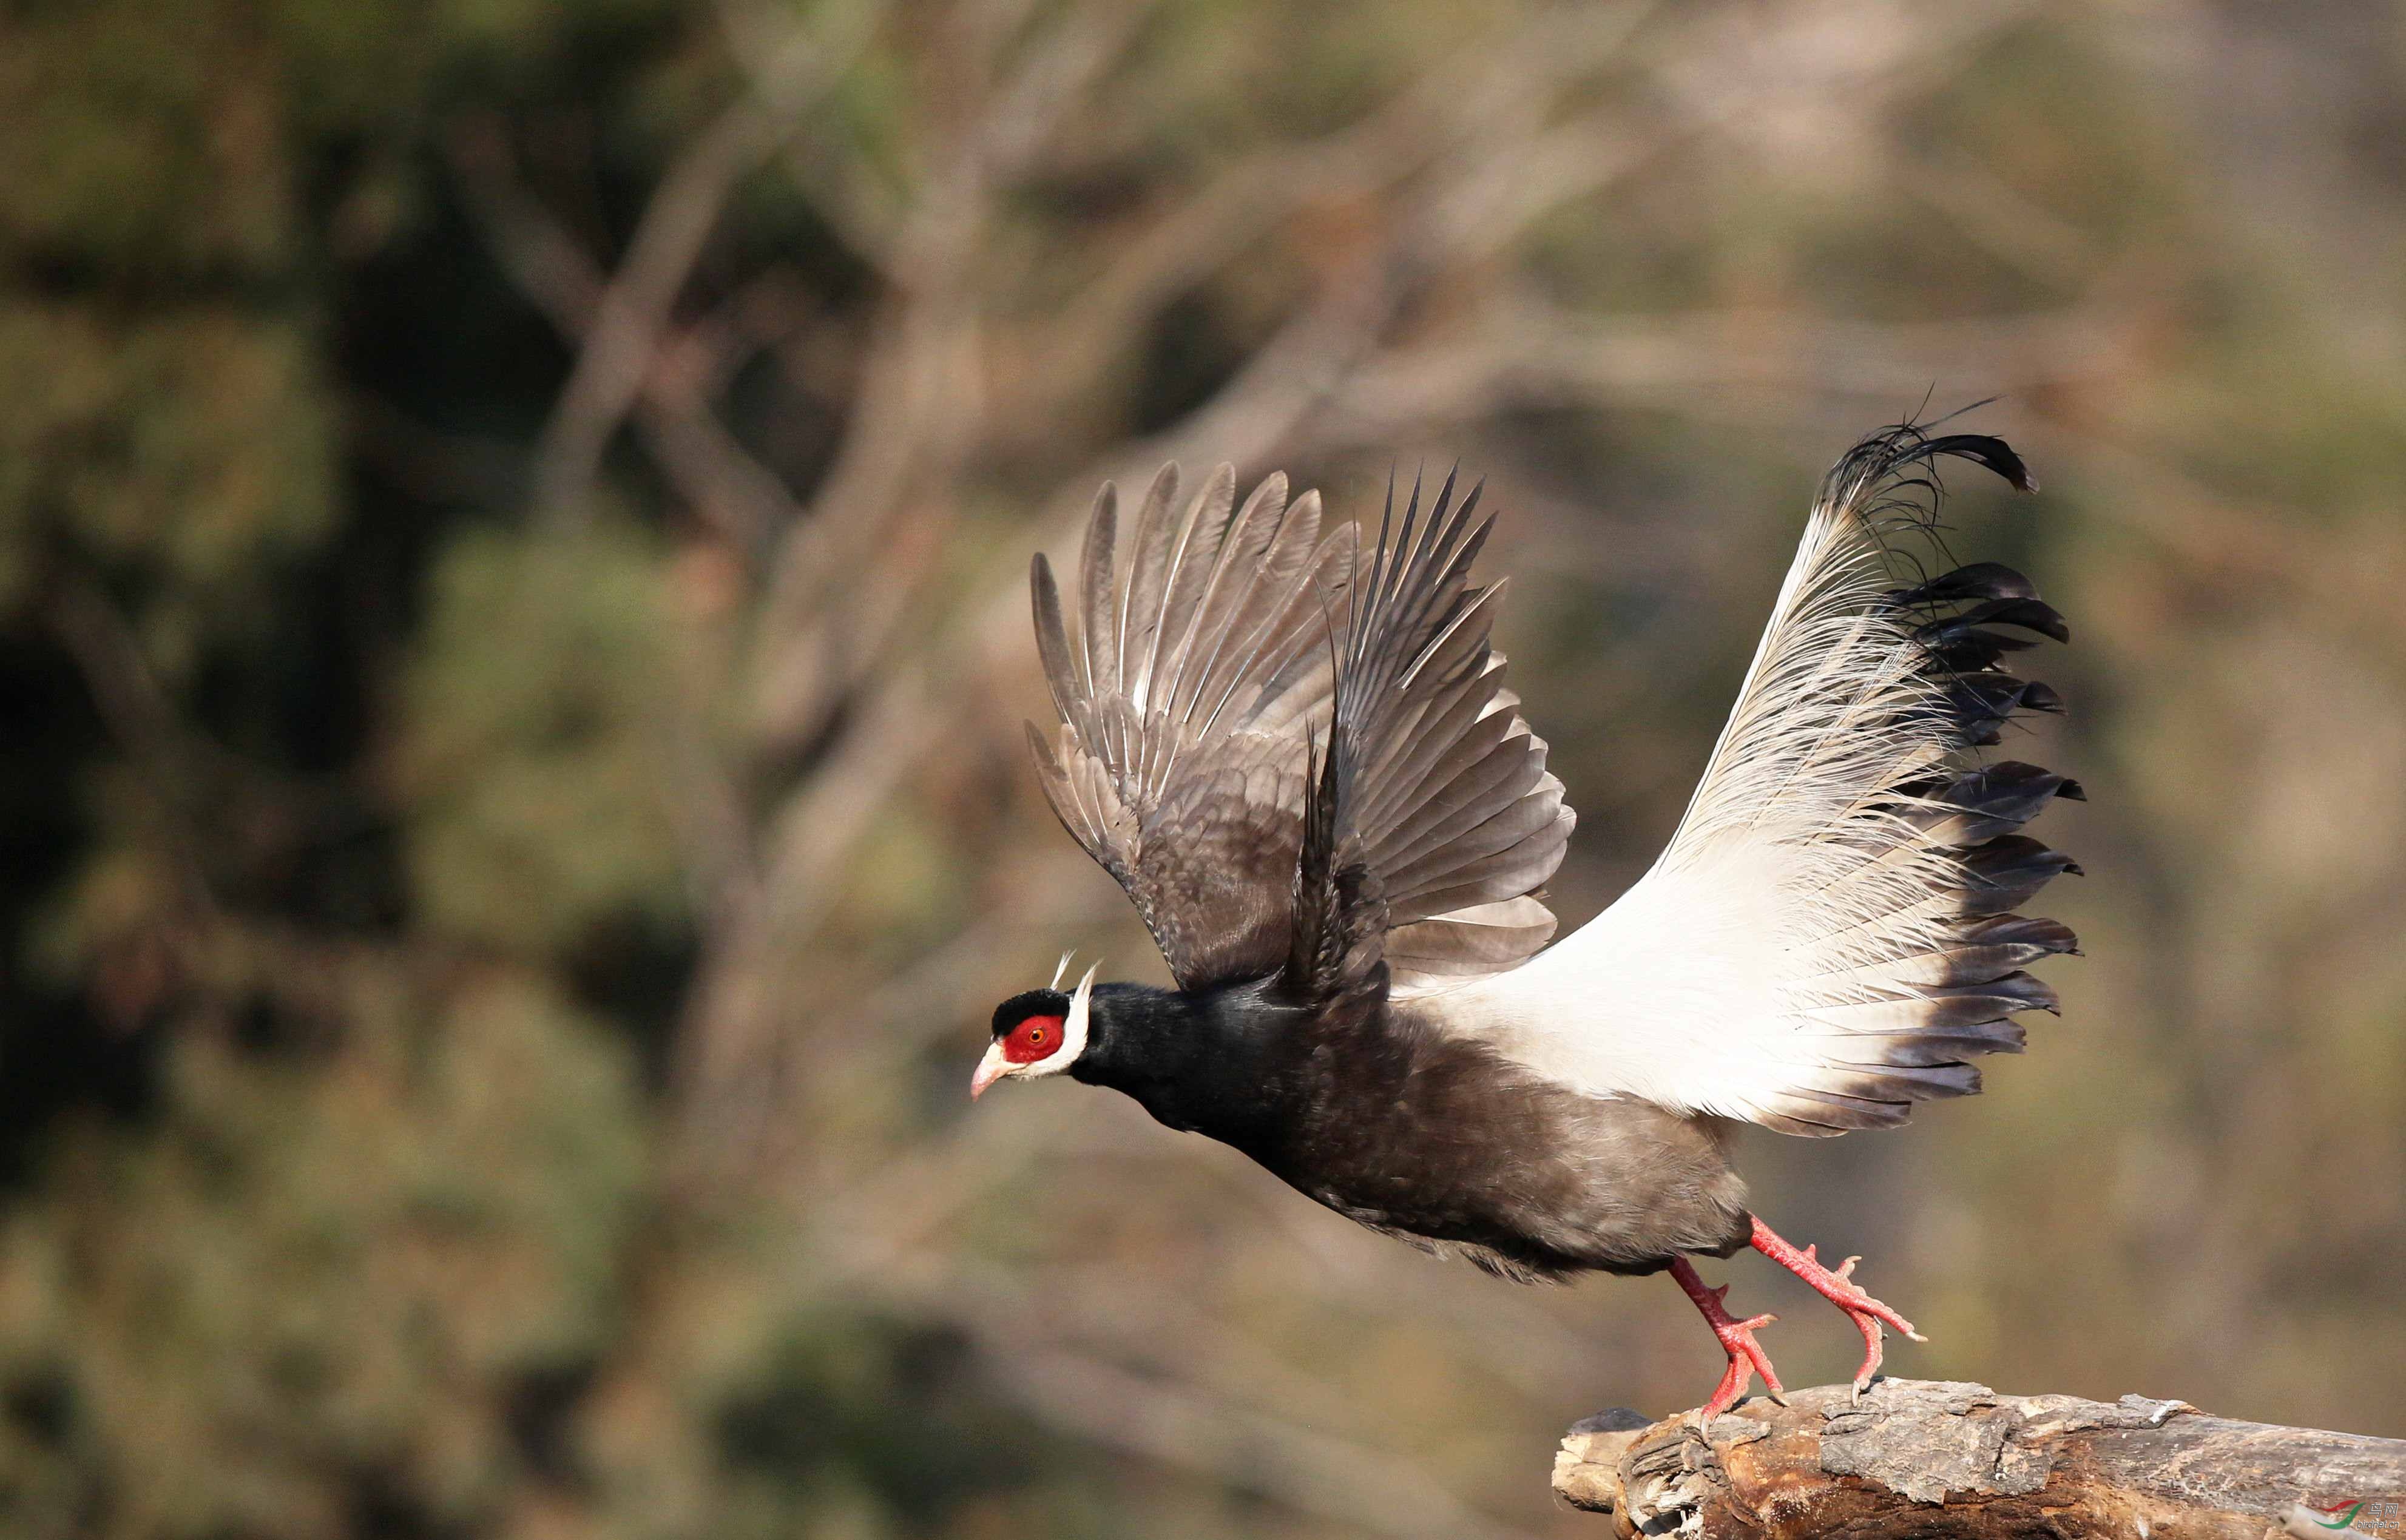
(1037, 1038)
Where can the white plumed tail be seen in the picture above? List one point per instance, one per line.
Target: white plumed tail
(1828, 937)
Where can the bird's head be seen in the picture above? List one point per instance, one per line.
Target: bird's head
(1039, 1032)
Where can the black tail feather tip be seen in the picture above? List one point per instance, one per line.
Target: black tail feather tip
(1983, 449)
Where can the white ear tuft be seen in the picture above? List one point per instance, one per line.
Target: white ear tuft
(1074, 1025)
(1060, 967)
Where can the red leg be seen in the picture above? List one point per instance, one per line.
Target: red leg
(1840, 1290)
(1746, 1356)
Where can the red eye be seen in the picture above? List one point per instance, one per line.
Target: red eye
(1032, 1039)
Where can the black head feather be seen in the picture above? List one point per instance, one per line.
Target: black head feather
(1033, 1002)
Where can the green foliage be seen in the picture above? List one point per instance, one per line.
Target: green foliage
(146, 141)
(188, 454)
(536, 752)
(340, 1263)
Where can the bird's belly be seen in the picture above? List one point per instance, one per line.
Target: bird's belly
(1526, 1177)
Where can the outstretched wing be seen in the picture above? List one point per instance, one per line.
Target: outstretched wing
(1831, 936)
(1199, 672)
(1434, 820)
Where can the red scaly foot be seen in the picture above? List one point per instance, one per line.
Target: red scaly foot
(1840, 1290)
(1736, 1337)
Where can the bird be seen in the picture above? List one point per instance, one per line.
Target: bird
(1296, 751)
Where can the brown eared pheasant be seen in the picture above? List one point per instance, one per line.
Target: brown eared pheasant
(1300, 760)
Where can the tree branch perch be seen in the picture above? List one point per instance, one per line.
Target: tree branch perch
(1929, 1458)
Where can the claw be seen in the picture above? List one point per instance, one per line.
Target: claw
(1870, 1327)
(1736, 1337)
(1840, 1289)
(1746, 1358)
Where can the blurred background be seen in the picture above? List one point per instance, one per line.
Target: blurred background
(513, 530)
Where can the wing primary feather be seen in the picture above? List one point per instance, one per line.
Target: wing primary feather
(1285, 620)
(1356, 631)
(1241, 563)
(1204, 525)
(1096, 624)
(1052, 643)
(1148, 554)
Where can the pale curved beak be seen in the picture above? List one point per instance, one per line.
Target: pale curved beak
(991, 1068)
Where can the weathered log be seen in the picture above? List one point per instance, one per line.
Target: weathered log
(1924, 1458)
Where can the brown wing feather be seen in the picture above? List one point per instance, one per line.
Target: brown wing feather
(1185, 708)
(1204, 676)
(1434, 820)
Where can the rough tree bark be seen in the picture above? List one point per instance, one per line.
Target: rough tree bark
(1951, 1459)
